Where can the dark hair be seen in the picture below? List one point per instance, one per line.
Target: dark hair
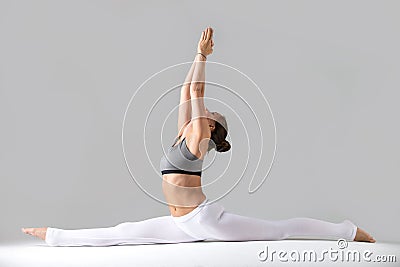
(218, 136)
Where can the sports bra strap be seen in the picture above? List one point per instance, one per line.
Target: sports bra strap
(176, 139)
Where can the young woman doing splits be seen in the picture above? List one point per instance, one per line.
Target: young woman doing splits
(192, 217)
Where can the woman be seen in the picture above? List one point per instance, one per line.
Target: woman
(193, 218)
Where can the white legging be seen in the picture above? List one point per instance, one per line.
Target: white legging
(206, 222)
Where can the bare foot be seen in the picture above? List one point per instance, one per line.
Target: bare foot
(363, 236)
(38, 232)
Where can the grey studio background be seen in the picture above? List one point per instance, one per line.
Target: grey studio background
(329, 70)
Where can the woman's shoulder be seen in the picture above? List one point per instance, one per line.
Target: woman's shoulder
(195, 136)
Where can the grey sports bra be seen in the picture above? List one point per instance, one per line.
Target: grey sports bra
(179, 159)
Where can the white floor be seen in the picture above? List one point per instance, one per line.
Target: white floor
(203, 254)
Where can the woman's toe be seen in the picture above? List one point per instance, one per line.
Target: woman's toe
(28, 231)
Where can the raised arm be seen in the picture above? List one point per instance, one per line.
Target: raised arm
(185, 103)
(185, 107)
(199, 121)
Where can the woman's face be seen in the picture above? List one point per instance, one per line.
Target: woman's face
(211, 116)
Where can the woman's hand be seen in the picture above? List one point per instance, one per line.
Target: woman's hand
(206, 43)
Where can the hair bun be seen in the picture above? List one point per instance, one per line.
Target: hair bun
(223, 146)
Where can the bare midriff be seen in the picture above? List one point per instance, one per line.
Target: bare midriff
(182, 192)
